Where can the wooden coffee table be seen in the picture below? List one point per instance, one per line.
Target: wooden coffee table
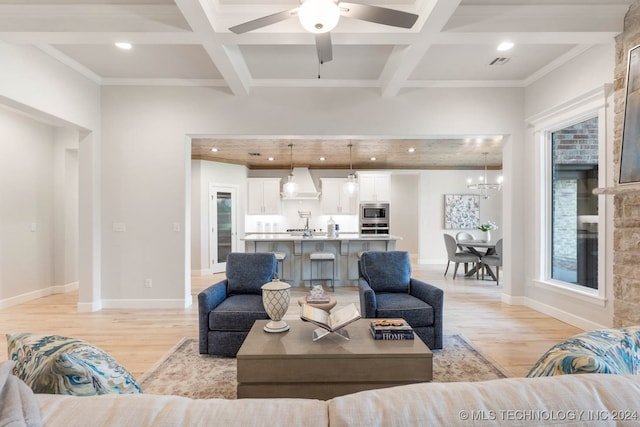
(291, 364)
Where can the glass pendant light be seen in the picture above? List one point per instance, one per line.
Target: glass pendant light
(350, 188)
(290, 188)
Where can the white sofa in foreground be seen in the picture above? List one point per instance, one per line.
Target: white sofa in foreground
(566, 400)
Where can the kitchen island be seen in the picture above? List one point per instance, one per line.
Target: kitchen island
(296, 267)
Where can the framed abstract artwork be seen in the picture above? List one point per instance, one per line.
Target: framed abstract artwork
(461, 211)
(630, 156)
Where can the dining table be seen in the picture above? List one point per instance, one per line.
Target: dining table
(476, 247)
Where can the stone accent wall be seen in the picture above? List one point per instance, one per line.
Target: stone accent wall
(626, 262)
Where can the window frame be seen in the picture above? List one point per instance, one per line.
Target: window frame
(589, 106)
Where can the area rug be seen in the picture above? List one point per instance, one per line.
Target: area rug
(185, 372)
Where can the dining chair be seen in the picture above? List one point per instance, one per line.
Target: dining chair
(457, 257)
(463, 235)
(494, 260)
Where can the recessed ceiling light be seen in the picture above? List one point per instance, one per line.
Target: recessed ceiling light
(271, 159)
(124, 45)
(373, 159)
(214, 149)
(322, 159)
(505, 46)
(411, 150)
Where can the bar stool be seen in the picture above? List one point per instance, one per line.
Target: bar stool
(318, 258)
(280, 256)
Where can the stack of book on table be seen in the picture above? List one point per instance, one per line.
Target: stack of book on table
(317, 299)
(391, 329)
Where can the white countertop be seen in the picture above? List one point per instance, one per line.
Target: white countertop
(316, 236)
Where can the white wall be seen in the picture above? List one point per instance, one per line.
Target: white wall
(548, 98)
(143, 172)
(26, 207)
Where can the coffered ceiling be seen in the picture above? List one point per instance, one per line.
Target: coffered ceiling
(188, 43)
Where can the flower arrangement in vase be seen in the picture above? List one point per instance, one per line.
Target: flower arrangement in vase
(486, 228)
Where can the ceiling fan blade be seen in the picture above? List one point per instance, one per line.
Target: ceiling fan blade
(379, 15)
(264, 21)
(323, 46)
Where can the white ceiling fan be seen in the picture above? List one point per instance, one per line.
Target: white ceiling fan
(321, 16)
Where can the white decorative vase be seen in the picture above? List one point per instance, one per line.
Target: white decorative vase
(275, 298)
(488, 235)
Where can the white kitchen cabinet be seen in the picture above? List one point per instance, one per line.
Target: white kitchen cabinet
(334, 200)
(263, 196)
(374, 187)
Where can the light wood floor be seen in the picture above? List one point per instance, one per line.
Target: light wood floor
(513, 337)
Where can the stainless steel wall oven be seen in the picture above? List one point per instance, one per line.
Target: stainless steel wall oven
(374, 219)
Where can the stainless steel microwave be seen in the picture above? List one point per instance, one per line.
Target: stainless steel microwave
(374, 212)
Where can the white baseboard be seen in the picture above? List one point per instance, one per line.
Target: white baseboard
(62, 289)
(513, 300)
(39, 293)
(28, 296)
(89, 307)
(145, 303)
(572, 319)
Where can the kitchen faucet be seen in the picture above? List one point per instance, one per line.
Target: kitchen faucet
(306, 214)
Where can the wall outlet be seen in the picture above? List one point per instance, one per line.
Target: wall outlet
(148, 283)
(176, 226)
(119, 227)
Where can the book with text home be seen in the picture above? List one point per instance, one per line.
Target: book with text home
(391, 329)
(331, 322)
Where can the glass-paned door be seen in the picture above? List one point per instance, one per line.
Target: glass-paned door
(574, 222)
(223, 228)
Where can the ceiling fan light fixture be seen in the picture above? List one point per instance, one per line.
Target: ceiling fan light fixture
(319, 16)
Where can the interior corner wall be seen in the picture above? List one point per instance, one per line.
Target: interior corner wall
(65, 212)
(50, 92)
(27, 209)
(405, 216)
(197, 224)
(205, 173)
(591, 70)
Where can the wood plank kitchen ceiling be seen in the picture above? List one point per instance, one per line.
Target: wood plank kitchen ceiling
(389, 153)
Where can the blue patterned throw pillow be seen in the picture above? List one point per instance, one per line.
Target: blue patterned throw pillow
(54, 364)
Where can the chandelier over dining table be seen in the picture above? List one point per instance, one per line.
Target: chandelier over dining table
(483, 185)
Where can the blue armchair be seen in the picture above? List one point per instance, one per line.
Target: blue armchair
(228, 309)
(388, 291)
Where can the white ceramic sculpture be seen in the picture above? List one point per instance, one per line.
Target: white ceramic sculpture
(275, 298)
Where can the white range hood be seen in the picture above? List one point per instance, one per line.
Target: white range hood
(306, 187)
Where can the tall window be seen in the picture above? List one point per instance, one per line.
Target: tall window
(574, 222)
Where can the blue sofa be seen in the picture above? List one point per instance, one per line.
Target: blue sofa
(228, 309)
